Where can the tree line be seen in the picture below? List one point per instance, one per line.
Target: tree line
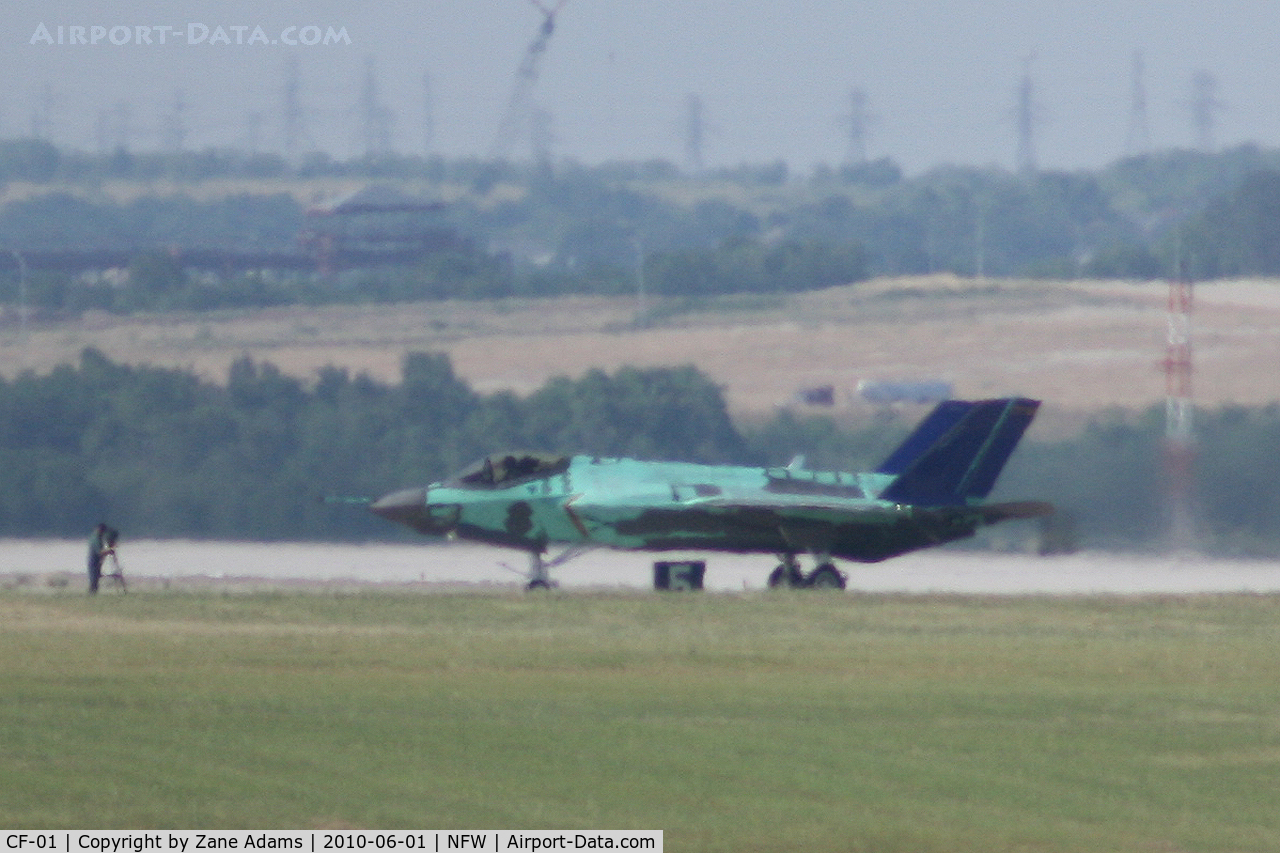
(159, 452)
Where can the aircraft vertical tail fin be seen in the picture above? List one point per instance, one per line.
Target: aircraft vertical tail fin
(957, 452)
(944, 416)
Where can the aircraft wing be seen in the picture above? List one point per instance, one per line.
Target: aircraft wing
(867, 531)
(798, 505)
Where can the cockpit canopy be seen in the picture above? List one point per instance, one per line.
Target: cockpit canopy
(501, 469)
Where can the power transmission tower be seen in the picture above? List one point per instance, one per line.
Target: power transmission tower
(175, 126)
(375, 117)
(119, 127)
(1025, 118)
(112, 130)
(516, 121)
(1138, 139)
(252, 131)
(42, 115)
(693, 133)
(100, 132)
(293, 113)
(428, 116)
(858, 120)
(1205, 107)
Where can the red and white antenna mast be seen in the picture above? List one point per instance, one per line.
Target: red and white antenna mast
(1179, 442)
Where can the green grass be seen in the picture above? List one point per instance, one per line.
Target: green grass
(756, 722)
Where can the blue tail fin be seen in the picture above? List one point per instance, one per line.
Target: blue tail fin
(956, 453)
(944, 416)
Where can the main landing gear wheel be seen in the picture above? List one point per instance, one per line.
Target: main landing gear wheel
(787, 574)
(826, 576)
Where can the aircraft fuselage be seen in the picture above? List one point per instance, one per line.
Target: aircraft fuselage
(930, 490)
(662, 506)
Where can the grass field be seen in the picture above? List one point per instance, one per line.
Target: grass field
(1081, 346)
(733, 722)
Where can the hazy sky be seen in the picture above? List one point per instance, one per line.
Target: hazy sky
(940, 77)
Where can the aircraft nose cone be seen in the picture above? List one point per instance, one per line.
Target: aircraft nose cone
(407, 506)
(410, 507)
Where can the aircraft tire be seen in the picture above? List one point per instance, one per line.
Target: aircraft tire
(826, 576)
(785, 577)
(535, 585)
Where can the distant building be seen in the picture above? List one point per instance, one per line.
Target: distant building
(375, 226)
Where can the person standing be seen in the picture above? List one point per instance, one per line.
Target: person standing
(100, 546)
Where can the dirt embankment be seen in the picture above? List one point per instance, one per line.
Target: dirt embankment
(1080, 346)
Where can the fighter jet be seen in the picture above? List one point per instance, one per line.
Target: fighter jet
(930, 490)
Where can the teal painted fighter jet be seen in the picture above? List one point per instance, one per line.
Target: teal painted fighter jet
(930, 490)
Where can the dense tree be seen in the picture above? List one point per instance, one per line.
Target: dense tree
(1238, 234)
(65, 220)
(749, 266)
(164, 453)
(29, 160)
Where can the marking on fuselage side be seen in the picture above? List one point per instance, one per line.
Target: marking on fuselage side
(519, 518)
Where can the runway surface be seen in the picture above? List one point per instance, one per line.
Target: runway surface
(44, 562)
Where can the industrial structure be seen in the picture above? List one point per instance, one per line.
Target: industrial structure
(518, 117)
(375, 226)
